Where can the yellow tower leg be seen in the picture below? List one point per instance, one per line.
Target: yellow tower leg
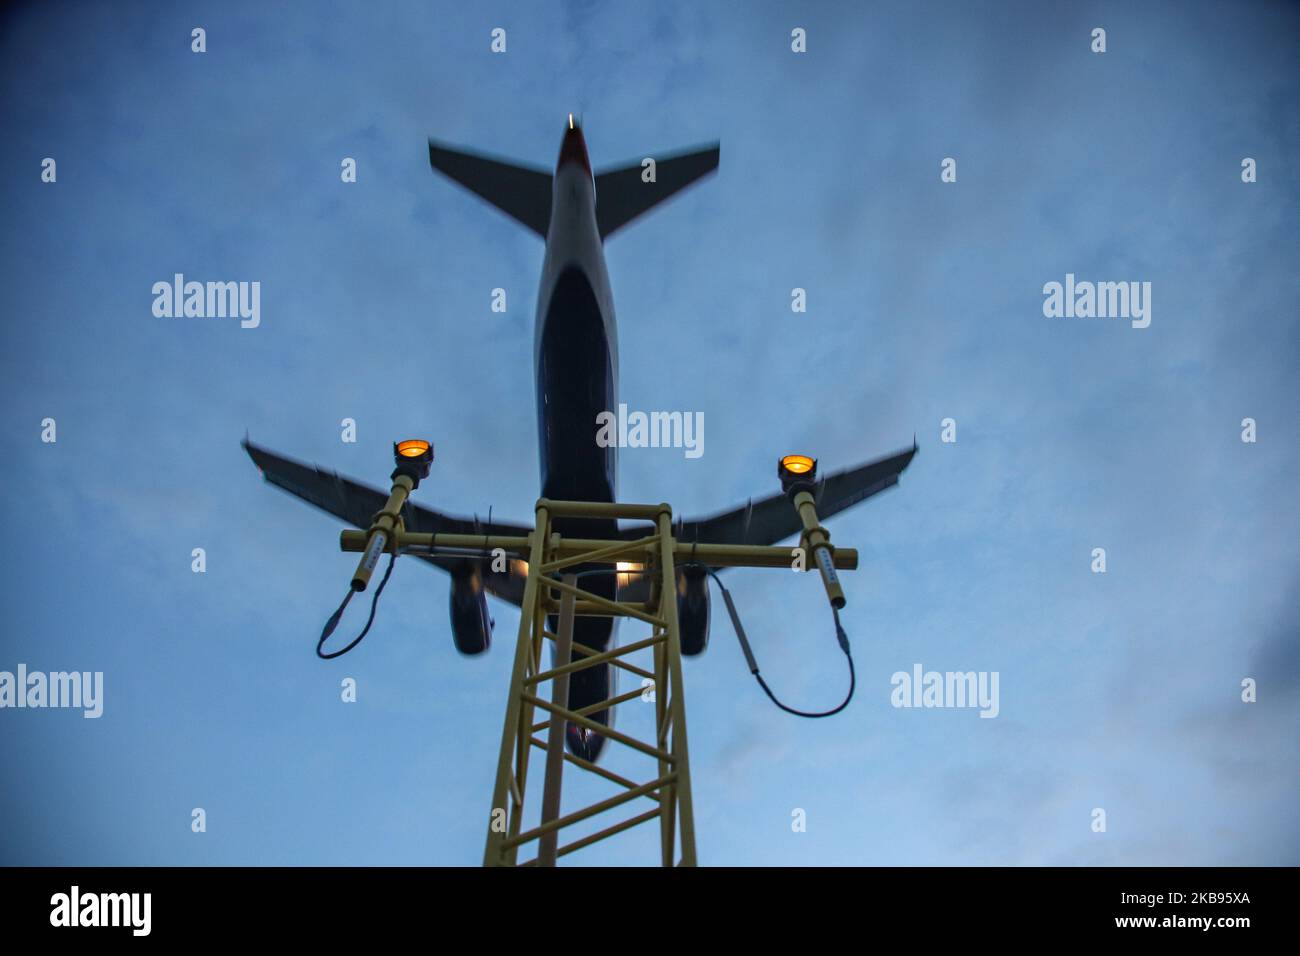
(545, 593)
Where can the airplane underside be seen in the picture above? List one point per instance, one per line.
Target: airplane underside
(575, 381)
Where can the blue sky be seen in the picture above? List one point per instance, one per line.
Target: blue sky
(1119, 691)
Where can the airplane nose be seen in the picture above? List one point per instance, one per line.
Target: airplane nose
(584, 743)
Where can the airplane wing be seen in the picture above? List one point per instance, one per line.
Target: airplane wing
(357, 504)
(765, 522)
(774, 518)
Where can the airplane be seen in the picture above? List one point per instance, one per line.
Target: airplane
(576, 365)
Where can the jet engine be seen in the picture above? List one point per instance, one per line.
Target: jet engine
(471, 625)
(693, 609)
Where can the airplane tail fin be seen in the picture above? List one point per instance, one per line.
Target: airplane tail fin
(625, 193)
(521, 192)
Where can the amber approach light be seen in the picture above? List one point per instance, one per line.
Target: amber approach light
(414, 458)
(412, 448)
(798, 464)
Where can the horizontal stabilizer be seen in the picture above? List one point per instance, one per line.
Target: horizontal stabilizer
(521, 192)
(623, 194)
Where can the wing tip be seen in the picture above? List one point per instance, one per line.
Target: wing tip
(254, 454)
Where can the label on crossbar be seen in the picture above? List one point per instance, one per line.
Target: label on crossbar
(374, 551)
(828, 564)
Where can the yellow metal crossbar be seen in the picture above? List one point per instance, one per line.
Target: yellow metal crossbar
(714, 555)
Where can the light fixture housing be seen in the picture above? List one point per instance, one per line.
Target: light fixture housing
(414, 458)
(797, 473)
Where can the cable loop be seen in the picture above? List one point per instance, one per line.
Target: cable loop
(333, 622)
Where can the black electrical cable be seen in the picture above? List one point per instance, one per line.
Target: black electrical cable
(333, 622)
(840, 636)
(753, 664)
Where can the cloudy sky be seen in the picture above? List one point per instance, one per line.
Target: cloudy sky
(1120, 691)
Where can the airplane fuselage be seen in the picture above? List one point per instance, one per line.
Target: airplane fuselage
(576, 361)
(575, 348)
